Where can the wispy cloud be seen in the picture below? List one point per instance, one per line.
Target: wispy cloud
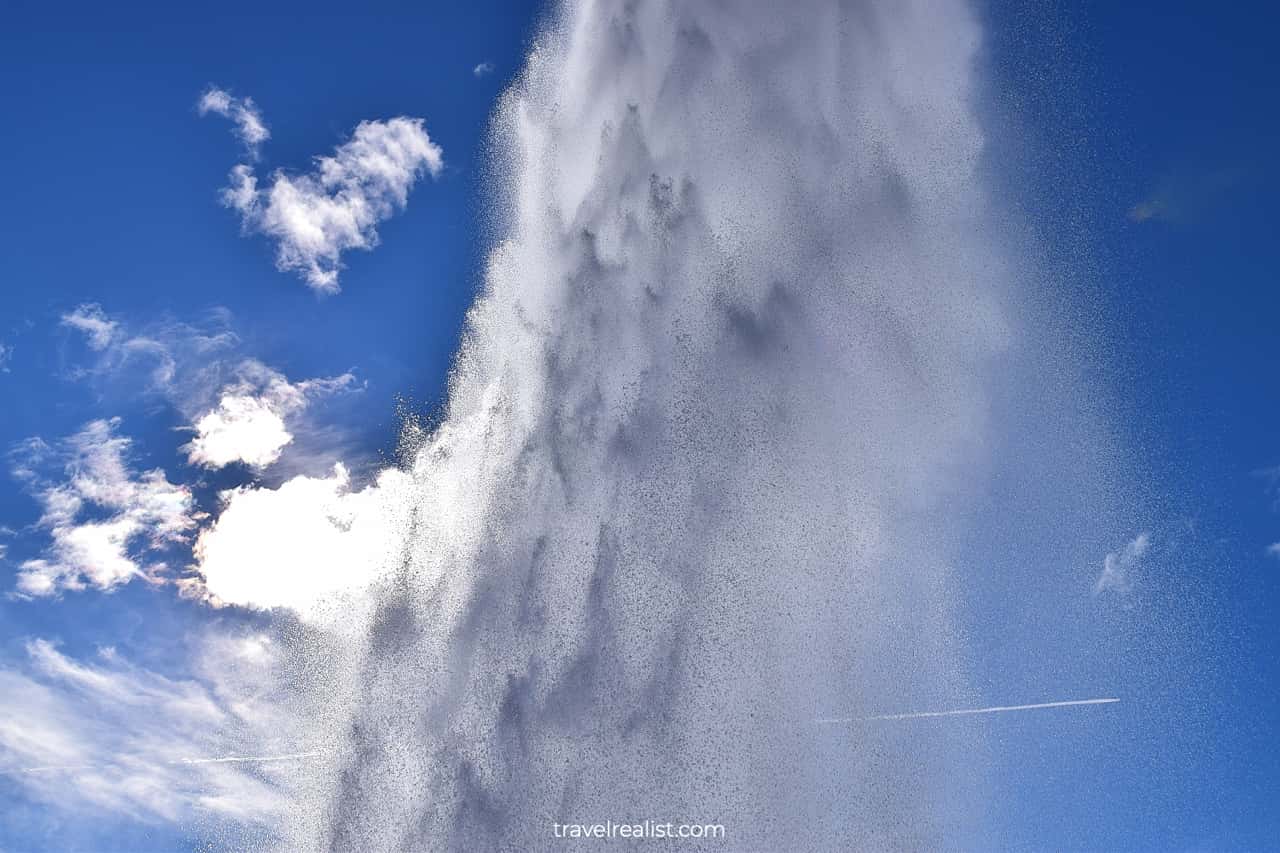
(103, 518)
(99, 330)
(250, 128)
(316, 217)
(482, 69)
(1184, 195)
(1271, 474)
(1119, 566)
(169, 353)
(6, 355)
(105, 736)
(238, 409)
(1152, 208)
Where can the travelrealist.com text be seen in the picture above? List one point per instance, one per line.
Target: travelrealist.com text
(643, 829)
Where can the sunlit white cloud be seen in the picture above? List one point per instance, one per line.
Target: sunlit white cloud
(337, 207)
(483, 69)
(242, 429)
(1118, 567)
(250, 128)
(303, 542)
(249, 422)
(104, 520)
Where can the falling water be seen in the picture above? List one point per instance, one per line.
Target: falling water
(695, 486)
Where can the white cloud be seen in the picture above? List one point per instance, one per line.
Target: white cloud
(314, 218)
(299, 544)
(107, 737)
(89, 318)
(1273, 550)
(100, 513)
(482, 69)
(6, 354)
(248, 423)
(1118, 566)
(242, 429)
(242, 111)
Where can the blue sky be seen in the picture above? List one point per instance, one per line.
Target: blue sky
(1140, 147)
(1149, 164)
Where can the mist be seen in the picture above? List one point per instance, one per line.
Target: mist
(722, 423)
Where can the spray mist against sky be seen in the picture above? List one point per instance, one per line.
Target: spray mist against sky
(783, 472)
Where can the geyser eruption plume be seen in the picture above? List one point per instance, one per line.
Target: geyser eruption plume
(692, 491)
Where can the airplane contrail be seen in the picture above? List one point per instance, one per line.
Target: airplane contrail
(996, 709)
(226, 759)
(251, 759)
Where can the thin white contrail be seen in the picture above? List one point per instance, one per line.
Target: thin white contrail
(996, 709)
(251, 759)
(226, 759)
